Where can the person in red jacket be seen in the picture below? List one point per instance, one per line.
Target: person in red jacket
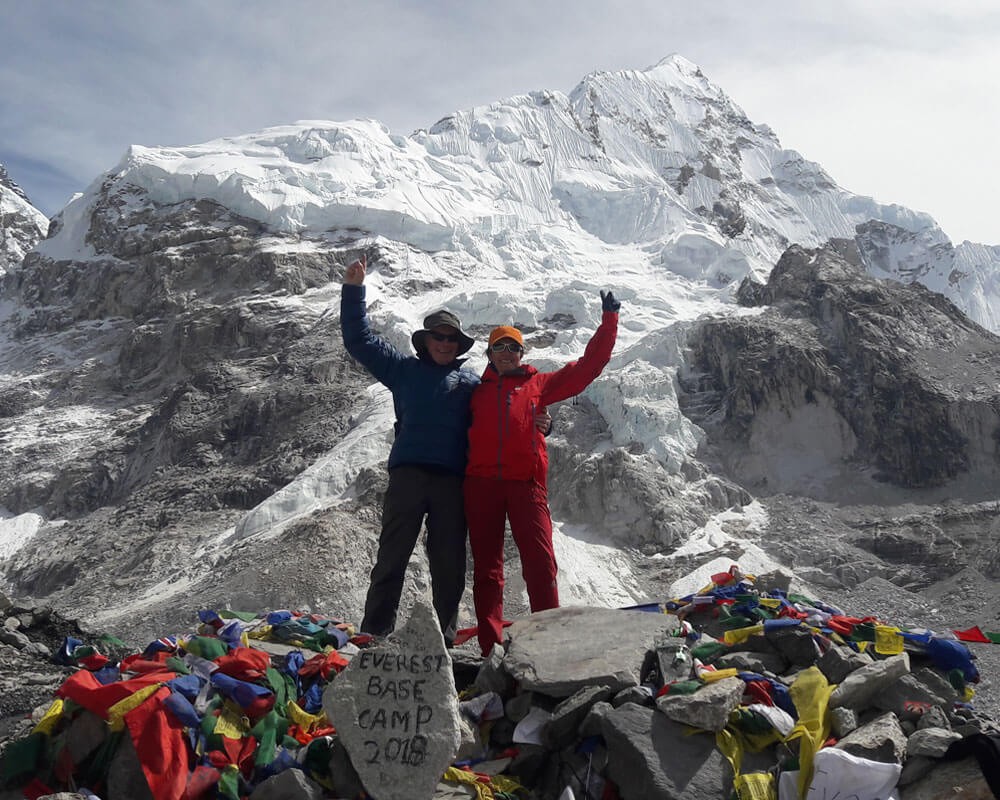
(505, 477)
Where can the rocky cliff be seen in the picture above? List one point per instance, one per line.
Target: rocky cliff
(874, 381)
(21, 224)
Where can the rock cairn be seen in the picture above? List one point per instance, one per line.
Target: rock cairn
(741, 687)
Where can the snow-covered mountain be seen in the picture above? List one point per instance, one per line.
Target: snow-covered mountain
(21, 224)
(172, 369)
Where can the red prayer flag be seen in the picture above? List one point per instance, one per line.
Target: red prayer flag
(161, 746)
(201, 782)
(973, 634)
(85, 690)
(36, 789)
(244, 663)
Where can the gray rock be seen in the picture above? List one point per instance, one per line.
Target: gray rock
(936, 683)
(934, 718)
(14, 638)
(708, 708)
(492, 677)
(529, 764)
(559, 651)
(85, 734)
(672, 659)
(471, 745)
(38, 649)
(961, 780)
(651, 757)
(290, 784)
(640, 695)
(126, 780)
(343, 777)
(907, 698)
(395, 709)
(969, 728)
(593, 722)
(861, 686)
(518, 706)
(757, 643)
(796, 645)
(753, 662)
(838, 662)
(775, 579)
(932, 742)
(843, 721)
(879, 740)
(563, 728)
(915, 768)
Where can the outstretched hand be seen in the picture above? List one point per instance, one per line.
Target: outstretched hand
(608, 301)
(355, 273)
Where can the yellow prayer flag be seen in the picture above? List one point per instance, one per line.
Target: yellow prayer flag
(888, 640)
(50, 719)
(232, 722)
(117, 712)
(738, 635)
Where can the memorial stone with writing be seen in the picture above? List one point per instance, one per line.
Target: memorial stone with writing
(395, 709)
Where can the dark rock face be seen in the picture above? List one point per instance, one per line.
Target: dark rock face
(21, 225)
(150, 261)
(202, 389)
(888, 377)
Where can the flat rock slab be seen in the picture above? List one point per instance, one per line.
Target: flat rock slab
(562, 650)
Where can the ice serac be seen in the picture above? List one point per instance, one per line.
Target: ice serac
(21, 224)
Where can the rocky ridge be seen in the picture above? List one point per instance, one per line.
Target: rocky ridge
(21, 224)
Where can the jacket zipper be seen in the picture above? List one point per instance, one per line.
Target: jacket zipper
(534, 435)
(501, 415)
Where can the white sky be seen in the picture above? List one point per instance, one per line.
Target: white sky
(896, 98)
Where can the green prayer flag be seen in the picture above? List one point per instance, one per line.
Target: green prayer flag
(21, 757)
(245, 616)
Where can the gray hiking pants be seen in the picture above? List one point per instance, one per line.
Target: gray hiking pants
(413, 493)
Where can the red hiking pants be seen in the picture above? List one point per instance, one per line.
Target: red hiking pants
(489, 502)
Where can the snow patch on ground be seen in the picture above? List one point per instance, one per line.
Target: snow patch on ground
(16, 530)
(592, 573)
(732, 529)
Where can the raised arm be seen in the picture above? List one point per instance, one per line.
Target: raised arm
(578, 375)
(376, 355)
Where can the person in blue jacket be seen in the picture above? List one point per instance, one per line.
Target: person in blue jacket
(430, 394)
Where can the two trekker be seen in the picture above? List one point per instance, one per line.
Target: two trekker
(466, 449)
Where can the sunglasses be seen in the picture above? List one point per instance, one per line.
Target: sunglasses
(443, 337)
(499, 347)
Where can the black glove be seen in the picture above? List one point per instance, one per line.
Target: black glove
(608, 302)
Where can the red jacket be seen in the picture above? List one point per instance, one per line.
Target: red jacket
(503, 440)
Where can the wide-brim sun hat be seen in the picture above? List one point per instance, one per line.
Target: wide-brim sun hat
(442, 317)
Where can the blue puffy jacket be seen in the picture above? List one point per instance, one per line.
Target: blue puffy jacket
(431, 401)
